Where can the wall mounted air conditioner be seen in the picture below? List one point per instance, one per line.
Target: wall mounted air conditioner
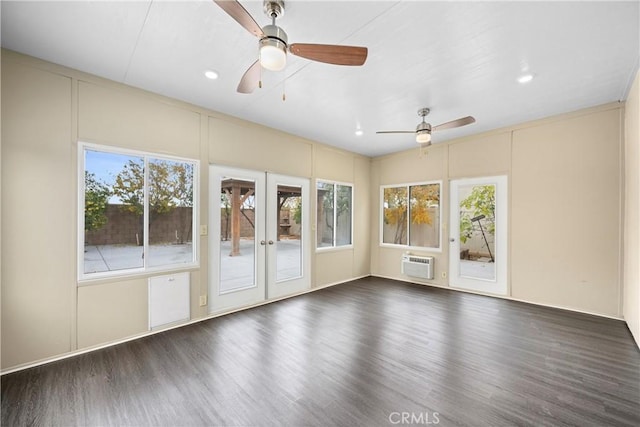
(417, 266)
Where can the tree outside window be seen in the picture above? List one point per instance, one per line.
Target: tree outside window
(118, 193)
(411, 215)
(478, 222)
(334, 217)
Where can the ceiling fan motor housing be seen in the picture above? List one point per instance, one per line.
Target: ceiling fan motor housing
(275, 34)
(424, 126)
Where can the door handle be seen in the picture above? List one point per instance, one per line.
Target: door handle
(452, 240)
(271, 242)
(262, 242)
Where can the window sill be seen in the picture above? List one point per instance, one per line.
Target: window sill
(410, 248)
(116, 276)
(334, 249)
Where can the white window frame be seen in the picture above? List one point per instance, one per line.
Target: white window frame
(407, 246)
(195, 238)
(334, 247)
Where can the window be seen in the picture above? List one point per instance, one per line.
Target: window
(335, 206)
(411, 215)
(138, 212)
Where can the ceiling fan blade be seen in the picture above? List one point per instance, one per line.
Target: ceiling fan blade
(455, 123)
(250, 79)
(396, 131)
(330, 54)
(240, 14)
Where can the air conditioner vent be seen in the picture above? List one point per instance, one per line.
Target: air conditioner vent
(418, 266)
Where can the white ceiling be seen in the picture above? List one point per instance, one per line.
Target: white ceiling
(457, 58)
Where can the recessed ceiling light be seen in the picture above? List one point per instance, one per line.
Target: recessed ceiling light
(525, 78)
(210, 74)
(359, 132)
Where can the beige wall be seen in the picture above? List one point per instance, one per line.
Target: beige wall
(631, 308)
(37, 169)
(565, 212)
(565, 205)
(46, 110)
(570, 161)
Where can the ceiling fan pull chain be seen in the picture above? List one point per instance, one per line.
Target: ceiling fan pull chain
(284, 89)
(260, 80)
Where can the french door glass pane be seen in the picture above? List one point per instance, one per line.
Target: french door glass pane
(289, 244)
(237, 234)
(477, 231)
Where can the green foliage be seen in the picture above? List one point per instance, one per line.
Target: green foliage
(96, 197)
(343, 199)
(129, 186)
(341, 195)
(170, 186)
(481, 201)
(183, 173)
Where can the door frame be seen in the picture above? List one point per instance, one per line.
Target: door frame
(499, 285)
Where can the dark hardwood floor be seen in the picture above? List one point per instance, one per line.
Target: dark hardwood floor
(372, 352)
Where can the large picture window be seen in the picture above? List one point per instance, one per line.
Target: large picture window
(335, 206)
(411, 215)
(137, 212)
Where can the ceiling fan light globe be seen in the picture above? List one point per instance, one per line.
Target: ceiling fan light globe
(273, 58)
(423, 137)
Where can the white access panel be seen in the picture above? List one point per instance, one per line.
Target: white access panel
(169, 300)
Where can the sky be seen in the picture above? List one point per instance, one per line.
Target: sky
(106, 166)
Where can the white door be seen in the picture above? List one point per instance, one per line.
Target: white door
(478, 234)
(288, 231)
(258, 238)
(237, 257)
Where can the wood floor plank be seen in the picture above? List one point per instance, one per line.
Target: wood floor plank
(357, 354)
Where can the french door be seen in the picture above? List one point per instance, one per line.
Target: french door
(478, 234)
(259, 237)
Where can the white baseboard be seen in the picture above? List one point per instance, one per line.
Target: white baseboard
(435, 285)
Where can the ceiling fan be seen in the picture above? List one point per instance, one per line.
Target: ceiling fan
(273, 44)
(424, 129)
